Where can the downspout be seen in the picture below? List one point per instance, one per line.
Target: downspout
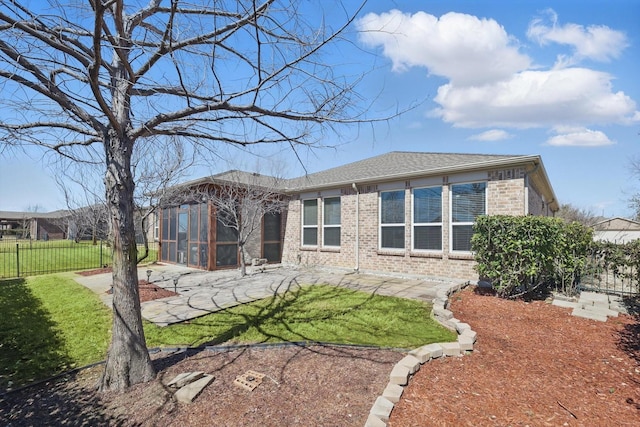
(357, 243)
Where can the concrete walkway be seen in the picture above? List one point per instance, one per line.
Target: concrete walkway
(203, 292)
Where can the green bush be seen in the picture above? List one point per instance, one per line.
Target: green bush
(521, 254)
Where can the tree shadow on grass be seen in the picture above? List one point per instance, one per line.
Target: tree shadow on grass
(32, 349)
(31, 345)
(276, 320)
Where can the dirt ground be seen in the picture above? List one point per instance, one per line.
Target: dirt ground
(534, 365)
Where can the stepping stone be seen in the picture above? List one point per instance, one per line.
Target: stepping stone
(190, 391)
(589, 314)
(185, 378)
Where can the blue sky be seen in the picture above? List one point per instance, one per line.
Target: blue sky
(554, 78)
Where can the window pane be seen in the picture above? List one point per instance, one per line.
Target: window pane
(183, 222)
(226, 255)
(165, 224)
(204, 255)
(310, 236)
(462, 237)
(193, 255)
(173, 223)
(310, 212)
(204, 223)
(468, 201)
(272, 252)
(272, 223)
(165, 251)
(392, 207)
(224, 233)
(331, 236)
(393, 237)
(332, 211)
(172, 251)
(427, 205)
(193, 223)
(427, 238)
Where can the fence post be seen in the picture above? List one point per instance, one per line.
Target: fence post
(18, 259)
(101, 263)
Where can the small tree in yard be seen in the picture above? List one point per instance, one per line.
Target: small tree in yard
(241, 200)
(101, 80)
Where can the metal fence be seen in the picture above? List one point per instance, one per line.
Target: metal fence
(620, 280)
(19, 258)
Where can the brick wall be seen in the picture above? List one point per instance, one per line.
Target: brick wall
(505, 195)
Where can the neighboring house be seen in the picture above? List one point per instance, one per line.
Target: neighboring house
(34, 225)
(401, 212)
(616, 230)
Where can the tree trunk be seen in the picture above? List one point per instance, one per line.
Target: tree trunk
(128, 360)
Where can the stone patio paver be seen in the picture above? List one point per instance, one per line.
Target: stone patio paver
(203, 292)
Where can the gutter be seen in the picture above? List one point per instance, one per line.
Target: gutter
(419, 174)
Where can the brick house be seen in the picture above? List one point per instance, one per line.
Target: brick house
(404, 212)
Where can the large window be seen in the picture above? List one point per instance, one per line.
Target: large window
(310, 222)
(468, 201)
(331, 222)
(392, 219)
(427, 219)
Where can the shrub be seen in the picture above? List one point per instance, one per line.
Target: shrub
(520, 254)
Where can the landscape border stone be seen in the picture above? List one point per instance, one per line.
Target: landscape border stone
(403, 370)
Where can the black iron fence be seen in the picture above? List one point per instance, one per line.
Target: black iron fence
(19, 258)
(613, 270)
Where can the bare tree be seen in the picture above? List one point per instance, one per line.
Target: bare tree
(157, 169)
(97, 81)
(87, 210)
(570, 213)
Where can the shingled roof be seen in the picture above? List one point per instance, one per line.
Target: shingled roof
(401, 165)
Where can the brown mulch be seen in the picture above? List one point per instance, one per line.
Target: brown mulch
(534, 364)
(304, 386)
(148, 291)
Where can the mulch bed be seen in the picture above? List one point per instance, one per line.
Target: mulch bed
(148, 291)
(534, 364)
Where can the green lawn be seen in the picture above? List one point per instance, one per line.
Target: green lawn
(50, 324)
(41, 257)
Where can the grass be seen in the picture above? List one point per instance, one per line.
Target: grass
(50, 324)
(312, 313)
(41, 257)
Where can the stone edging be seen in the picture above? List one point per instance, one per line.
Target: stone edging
(410, 364)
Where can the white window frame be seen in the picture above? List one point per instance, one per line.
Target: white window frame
(403, 223)
(415, 224)
(332, 226)
(304, 226)
(463, 223)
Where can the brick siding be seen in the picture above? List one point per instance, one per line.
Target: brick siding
(506, 195)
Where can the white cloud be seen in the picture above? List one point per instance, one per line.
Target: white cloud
(462, 48)
(537, 99)
(491, 135)
(597, 42)
(579, 137)
(491, 84)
